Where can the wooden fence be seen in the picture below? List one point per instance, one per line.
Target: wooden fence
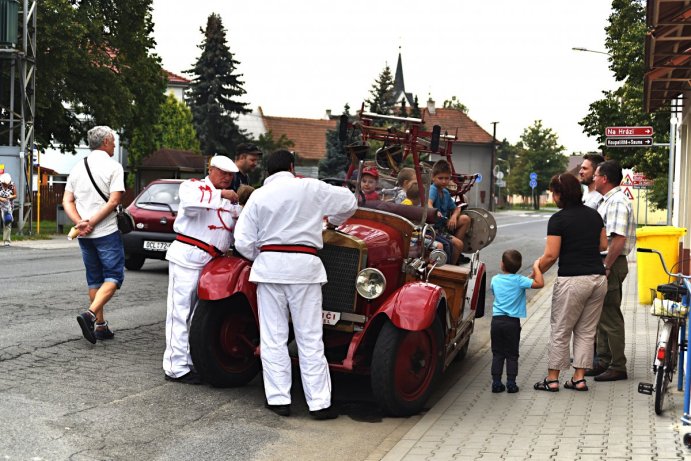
(51, 197)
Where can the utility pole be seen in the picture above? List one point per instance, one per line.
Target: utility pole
(492, 180)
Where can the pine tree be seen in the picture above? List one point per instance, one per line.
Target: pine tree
(403, 110)
(415, 109)
(214, 92)
(336, 161)
(381, 95)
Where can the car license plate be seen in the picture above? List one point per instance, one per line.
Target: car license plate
(156, 246)
(330, 318)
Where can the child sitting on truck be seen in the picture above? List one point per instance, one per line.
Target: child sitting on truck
(452, 225)
(369, 183)
(507, 310)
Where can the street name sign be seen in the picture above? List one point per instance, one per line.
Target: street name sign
(629, 131)
(628, 142)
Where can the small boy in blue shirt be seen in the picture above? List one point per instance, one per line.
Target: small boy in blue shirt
(452, 225)
(507, 310)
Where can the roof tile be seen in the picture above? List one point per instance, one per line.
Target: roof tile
(309, 135)
(451, 120)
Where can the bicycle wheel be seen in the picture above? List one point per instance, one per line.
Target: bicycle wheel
(660, 389)
(665, 373)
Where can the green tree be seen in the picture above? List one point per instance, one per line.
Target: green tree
(336, 162)
(538, 151)
(381, 95)
(454, 103)
(214, 92)
(97, 67)
(624, 106)
(415, 109)
(507, 155)
(402, 109)
(173, 130)
(268, 144)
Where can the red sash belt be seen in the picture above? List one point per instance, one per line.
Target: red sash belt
(289, 249)
(212, 250)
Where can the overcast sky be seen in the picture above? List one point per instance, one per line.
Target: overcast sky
(507, 60)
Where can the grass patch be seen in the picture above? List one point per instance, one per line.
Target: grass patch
(49, 229)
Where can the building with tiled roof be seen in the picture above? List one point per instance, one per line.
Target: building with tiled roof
(308, 136)
(177, 85)
(472, 151)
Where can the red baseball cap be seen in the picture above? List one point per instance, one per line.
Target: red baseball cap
(370, 171)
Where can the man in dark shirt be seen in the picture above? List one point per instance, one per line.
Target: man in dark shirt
(246, 159)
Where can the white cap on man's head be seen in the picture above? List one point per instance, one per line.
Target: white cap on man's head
(223, 163)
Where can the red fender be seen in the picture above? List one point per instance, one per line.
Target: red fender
(413, 306)
(225, 276)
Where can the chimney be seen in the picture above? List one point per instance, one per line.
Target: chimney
(430, 106)
(328, 114)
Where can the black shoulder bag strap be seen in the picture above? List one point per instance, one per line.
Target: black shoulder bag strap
(88, 170)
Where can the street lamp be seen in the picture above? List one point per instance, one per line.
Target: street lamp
(578, 48)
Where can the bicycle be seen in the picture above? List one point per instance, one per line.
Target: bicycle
(671, 342)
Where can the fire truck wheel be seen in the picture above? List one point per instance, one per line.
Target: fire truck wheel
(405, 366)
(223, 338)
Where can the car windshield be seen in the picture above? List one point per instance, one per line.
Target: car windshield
(160, 196)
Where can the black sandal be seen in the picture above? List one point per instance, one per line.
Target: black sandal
(573, 385)
(544, 385)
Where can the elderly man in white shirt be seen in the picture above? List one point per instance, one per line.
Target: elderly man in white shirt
(280, 229)
(94, 218)
(204, 225)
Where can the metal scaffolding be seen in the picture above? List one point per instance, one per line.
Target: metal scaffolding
(17, 111)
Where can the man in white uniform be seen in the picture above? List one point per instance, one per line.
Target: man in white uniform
(204, 226)
(280, 229)
(586, 173)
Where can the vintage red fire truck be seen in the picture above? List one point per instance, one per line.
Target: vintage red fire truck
(392, 309)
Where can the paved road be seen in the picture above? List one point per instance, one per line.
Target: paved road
(62, 398)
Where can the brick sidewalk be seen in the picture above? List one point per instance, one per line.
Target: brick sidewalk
(611, 421)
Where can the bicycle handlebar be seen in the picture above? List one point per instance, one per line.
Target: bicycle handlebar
(679, 275)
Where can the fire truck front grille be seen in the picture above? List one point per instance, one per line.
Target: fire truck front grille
(342, 266)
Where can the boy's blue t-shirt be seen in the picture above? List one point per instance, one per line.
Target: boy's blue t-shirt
(442, 202)
(509, 294)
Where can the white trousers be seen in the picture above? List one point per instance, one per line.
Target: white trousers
(182, 299)
(304, 304)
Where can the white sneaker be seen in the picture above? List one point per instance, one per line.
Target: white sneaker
(7, 243)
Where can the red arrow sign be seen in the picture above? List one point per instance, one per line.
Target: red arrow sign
(629, 131)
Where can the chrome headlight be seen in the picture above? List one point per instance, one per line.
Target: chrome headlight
(370, 283)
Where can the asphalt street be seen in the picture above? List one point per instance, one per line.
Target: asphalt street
(62, 398)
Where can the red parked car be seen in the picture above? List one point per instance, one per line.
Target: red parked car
(154, 211)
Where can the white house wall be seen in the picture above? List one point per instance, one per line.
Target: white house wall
(471, 159)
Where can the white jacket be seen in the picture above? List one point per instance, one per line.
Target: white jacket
(203, 215)
(290, 211)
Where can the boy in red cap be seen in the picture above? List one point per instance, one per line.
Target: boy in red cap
(369, 182)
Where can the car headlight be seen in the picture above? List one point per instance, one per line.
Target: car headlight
(370, 283)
